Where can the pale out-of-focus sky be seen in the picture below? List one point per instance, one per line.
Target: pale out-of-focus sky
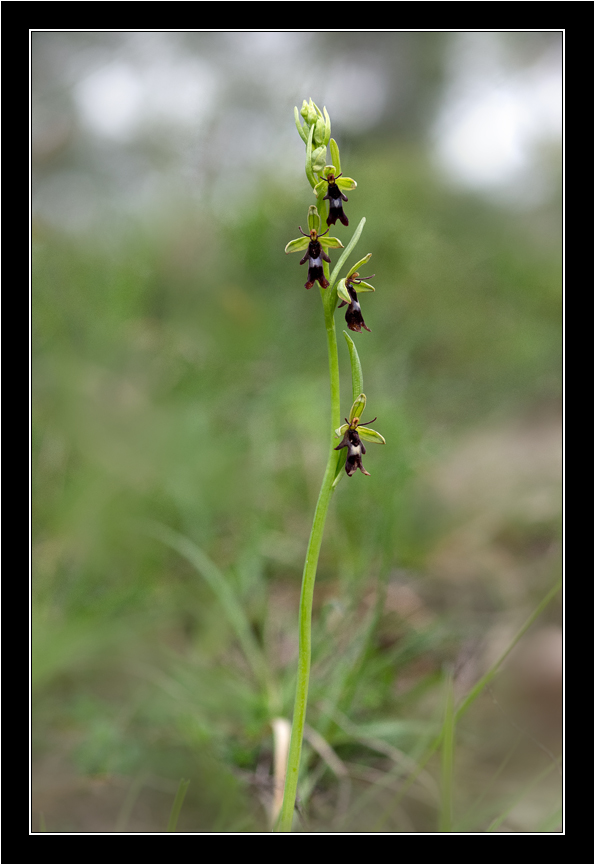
(123, 113)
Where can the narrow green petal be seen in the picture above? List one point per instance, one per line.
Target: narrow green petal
(358, 407)
(331, 242)
(297, 245)
(370, 435)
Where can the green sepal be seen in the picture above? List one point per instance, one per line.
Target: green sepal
(358, 407)
(297, 245)
(345, 182)
(370, 435)
(313, 218)
(331, 242)
(335, 158)
(363, 286)
(320, 187)
(340, 432)
(342, 291)
(357, 266)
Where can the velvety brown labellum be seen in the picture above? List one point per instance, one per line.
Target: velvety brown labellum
(353, 315)
(355, 449)
(315, 255)
(335, 202)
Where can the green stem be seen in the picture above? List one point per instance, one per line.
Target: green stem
(329, 299)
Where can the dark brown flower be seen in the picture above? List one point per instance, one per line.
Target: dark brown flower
(353, 315)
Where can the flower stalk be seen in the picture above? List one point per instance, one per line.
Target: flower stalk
(328, 184)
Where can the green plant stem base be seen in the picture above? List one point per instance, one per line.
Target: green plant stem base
(308, 579)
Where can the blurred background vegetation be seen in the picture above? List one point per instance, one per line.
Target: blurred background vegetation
(180, 380)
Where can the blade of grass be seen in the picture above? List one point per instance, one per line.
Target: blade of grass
(485, 680)
(228, 600)
(177, 806)
(130, 801)
(401, 760)
(465, 822)
(497, 822)
(552, 823)
(448, 737)
(471, 697)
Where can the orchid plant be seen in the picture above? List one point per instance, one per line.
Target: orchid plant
(329, 185)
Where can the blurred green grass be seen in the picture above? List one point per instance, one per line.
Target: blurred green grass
(180, 376)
